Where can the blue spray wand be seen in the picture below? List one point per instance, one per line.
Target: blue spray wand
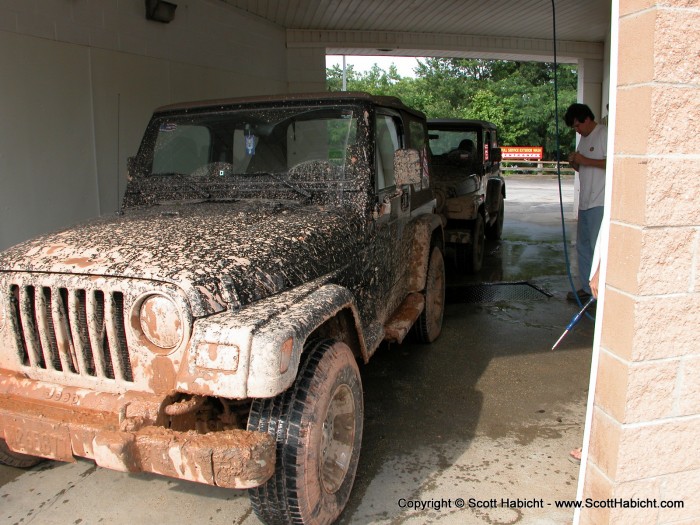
(575, 320)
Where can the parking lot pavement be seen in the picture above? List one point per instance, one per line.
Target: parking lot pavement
(487, 414)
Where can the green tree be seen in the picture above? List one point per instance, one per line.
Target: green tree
(516, 96)
(334, 77)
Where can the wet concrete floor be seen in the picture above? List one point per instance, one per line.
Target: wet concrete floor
(486, 413)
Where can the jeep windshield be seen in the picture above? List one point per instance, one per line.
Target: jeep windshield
(291, 152)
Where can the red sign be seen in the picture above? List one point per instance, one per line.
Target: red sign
(522, 152)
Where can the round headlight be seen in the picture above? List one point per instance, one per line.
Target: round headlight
(161, 322)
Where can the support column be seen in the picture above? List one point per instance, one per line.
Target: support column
(590, 85)
(646, 413)
(306, 69)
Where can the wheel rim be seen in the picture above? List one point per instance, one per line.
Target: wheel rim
(338, 439)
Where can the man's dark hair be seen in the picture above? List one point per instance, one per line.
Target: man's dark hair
(577, 112)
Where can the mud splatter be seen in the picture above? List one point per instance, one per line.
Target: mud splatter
(246, 227)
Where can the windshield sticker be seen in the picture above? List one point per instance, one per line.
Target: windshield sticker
(168, 126)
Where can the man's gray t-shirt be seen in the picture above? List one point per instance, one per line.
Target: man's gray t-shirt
(592, 180)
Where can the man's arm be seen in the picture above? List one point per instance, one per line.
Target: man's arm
(576, 160)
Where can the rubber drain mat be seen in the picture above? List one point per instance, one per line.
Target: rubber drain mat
(495, 292)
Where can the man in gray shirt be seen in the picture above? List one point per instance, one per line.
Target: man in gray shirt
(589, 160)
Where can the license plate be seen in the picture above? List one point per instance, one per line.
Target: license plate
(38, 438)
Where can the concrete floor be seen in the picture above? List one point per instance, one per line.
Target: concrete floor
(485, 413)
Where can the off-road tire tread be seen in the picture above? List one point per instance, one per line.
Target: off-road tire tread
(276, 502)
(494, 231)
(14, 459)
(420, 327)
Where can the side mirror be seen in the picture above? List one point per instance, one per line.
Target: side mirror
(496, 154)
(407, 167)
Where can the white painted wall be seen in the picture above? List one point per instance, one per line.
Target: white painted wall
(307, 69)
(79, 81)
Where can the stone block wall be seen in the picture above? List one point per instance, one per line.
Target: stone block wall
(646, 416)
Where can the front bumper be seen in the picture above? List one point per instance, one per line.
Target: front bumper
(120, 432)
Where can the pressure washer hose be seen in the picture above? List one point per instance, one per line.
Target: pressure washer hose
(558, 157)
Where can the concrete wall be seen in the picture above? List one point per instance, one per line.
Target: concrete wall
(307, 69)
(80, 80)
(646, 412)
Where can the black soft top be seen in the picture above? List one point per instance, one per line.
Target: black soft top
(436, 123)
(289, 99)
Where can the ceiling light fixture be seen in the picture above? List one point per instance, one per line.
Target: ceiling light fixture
(160, 11)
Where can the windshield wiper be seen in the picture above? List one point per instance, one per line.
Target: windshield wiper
(297, 189)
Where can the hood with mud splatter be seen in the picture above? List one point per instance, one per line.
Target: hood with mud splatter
(234, 252)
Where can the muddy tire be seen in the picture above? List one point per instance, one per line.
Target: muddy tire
(471, 256)
(15, 459)
(317, 424)
(495, 231)
(429, 324)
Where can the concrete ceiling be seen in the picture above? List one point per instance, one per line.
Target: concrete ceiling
(578, 23)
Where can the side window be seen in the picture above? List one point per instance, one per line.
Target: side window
(419, 142)
(417, 135)
(494, 140)
(388, 141)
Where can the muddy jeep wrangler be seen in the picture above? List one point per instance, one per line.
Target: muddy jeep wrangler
(468, 186)
(211, 331)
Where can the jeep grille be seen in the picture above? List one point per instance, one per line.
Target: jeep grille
(77, 332)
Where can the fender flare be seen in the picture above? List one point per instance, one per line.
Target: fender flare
(298, 322)
(428, 231)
